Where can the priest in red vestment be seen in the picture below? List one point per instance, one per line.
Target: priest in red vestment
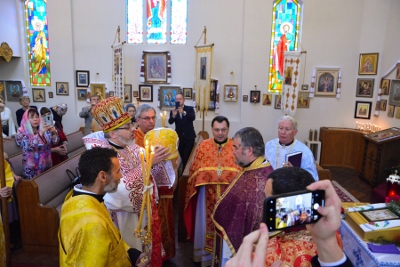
(211, 172)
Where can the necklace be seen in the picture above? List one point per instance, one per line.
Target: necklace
(277, 152)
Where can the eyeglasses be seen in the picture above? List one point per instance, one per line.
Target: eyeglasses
(148, 118)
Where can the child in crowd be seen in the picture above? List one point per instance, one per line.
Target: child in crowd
(59, 150)
(35, 139)
(24, 101)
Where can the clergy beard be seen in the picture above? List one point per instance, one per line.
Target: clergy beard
(125, 141)
(111, 187)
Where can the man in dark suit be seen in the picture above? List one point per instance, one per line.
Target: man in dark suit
(183, 116)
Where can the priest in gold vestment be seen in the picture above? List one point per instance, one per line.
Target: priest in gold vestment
(87, 235)
(211, 172)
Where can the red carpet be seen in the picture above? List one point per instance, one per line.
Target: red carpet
(343, 194)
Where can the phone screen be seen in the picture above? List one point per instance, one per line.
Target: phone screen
(48, 119)
(293, 209)
(177, 104)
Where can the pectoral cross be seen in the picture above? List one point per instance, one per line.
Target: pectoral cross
(219, 171)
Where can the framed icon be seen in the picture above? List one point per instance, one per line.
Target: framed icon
(13, 90)
(62, 88)
(82, 78)
(38, 95)
(368, 64)
(146, 93)
(231, 92)
(365, 88)
(187, 93)
(82, 93)
(155, 67)
(362, 110)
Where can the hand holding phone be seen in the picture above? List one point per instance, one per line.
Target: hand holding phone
(48, 120)
(177, 104)
(293, 209)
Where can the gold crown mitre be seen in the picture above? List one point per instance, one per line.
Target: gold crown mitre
(110, 114)
(164, 137)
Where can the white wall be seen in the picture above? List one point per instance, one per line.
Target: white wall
(334, 33)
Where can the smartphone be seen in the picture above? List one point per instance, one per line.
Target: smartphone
(177, 104)
(292, 209)
(48, 120)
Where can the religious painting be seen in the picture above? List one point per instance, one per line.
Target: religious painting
(278, 101)
(38, 95)
(156, 21)
(326, 82)
(267, 100)
(379, 215)
(203, 68)
(303, 100)
(245, 98)
(390, 113)
(136, 94)
(187, 93)
(50, 94)
(394, 95)
(397, 113)
(146, 93)
(384, 135)
(98, 89)
(168, 97)
(231, 92)
(288, 75)
(362, 110)
(128, 93)
(382, 105)
(365, 88)
(255, 96)
(62, 88)
(110, 94)
(368, 64)
(13, 90)
(82, 78)
(385, 85)
(82, 93)
(155, 64)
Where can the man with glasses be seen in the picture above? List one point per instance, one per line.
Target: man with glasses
(239, 209)
(211, 172)
(146, 120)
(183, 117)
(125, 204)
(276, 149)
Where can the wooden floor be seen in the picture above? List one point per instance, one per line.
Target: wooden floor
(347, 178)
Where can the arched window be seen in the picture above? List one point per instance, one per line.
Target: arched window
(38, 42)
(286, 20)
(156, 21)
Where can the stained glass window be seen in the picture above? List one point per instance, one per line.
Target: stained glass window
(286, 20)
(135, 21)
(38, 42)
(178, 21)
(156, 21)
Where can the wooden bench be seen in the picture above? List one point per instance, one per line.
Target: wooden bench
(182, 233)
(39, 205)
(75, 143)
(11, 147)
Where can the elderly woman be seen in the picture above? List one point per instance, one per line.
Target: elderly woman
(7, 121)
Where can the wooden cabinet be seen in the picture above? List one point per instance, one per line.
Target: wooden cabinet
(341, 147)
(382, 150)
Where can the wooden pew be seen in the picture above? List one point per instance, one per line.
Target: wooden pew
(39, 205)
(182, 233)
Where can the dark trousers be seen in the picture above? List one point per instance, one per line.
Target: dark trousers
(185, 147)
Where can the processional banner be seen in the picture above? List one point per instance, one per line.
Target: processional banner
(291, 82)
(204, 90)
(118, 70)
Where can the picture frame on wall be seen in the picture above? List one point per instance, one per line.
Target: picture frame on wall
(146, 93)
(398, 71)
(81, 93)
(13, 90)
(390, 112)
(168, 96)
(98, 89)
(365, 87)
(187, 93)
(303, 100)
(385, 86)
(128, 93)
(38, 95)
(362, 110)
(245, 98)
(255, 96)
(136, 94)
(82, 78)
(155, 65)
(50, 94)
(267, 100)
(62, 88)
(278, 101)
(231, 92)
(394, 95)
(383, 105)
(326, 81)
(368, 64)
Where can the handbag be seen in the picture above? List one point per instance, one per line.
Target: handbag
(74, 177)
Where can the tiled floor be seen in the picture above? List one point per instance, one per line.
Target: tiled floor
(345, 177)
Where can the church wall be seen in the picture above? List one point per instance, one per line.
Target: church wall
(334, 33)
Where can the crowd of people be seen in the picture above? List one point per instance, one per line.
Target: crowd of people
(102, 218)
